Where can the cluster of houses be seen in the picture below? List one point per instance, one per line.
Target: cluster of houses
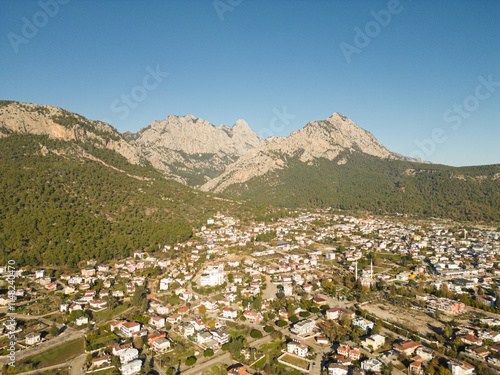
(462, 261)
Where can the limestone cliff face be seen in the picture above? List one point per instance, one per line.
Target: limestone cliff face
(318, 139)
(191, 149)
(195, 152)
(57, 123)
(196, 136)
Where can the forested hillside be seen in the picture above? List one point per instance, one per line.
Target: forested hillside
(359, 181)
(59, 207)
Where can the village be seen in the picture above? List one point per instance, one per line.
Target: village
(315, 293)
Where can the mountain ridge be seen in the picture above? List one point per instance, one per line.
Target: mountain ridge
(57, 123)
(330, 163)
(191, 149)
(317, 139)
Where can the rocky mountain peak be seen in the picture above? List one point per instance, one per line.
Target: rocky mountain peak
(57, 123)
(194, 148)
(338, 130)
(242, 124)
(317, 139)
(197, 136)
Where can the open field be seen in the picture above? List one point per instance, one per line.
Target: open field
(295, 361)
(108, 313)
(57, 354)
(411, 318)
(105, 372)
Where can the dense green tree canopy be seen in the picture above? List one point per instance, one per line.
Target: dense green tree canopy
(57, 207)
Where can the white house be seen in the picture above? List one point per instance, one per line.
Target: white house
(337, 369)
(129, 355)
(81, 320)
(161, 345)
(212, 279)
(189, 330)
(130, 328)
(220, 335)
(375, 341)
(157, 321)
(303, 327)
(39, 274)
(287, 289)
(211, 305)
(371, 364)
(174, 318)
(425, 352)
(229, 313)
(117, 350)
(98, 304)
(163, 310)
(335, 313)
(32, 338)
(298, 348)
(458, 367)
(203, 337)
(254, 316)
(117, 293)
(131, 367)
(363, 324)
(164, 283)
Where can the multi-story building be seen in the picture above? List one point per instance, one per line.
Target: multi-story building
(131, 367)
(374, 341)
(212, 278)
(157, 321)
(458, 367)
(371, 364)
(348, 352)
(406, 347)
(298, 348)
(129, 329)
(129, 355)
(446, 305)
(303, 327)
(161, 344)
(337, 369)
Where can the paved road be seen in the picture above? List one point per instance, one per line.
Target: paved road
(77, 363)
(264, 340)
(197, 369)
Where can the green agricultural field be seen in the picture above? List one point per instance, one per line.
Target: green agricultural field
(109, 314)
(295, 361)
(56, 355)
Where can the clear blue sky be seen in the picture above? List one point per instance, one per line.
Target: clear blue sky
(254, 58)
